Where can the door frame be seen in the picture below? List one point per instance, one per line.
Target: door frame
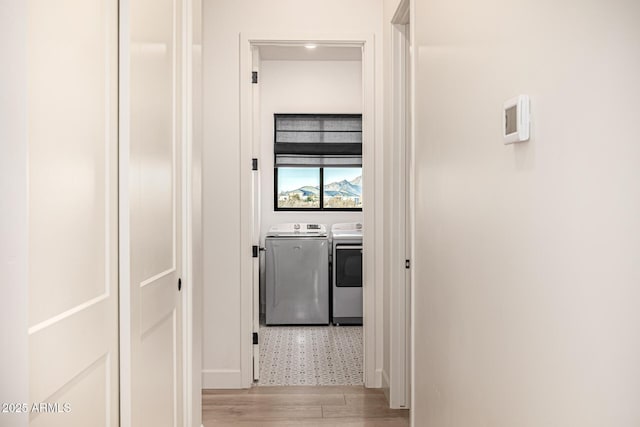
(372, 215)
(403, 176)
(402, 363)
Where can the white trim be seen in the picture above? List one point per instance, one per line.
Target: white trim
(400, 222)
(385, 385)
(124, 254)
(195, 289)
(55, 319)
(158, 276)
(222, 378)
(371, 177)
(372, 148)
(246, 260)
(255, 196)
(412, 198)
(187, 226)
(174, 136)
(402, 15)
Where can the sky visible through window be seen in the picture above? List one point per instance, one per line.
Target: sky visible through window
(340, 174)
(290, 179)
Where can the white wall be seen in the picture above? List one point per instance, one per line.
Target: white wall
(224, 20)
(14, 370)
(528, 255)
(302, 87)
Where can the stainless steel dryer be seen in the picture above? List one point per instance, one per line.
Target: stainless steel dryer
(347, 273)
(297, 275)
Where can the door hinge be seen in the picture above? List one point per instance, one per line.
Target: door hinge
(254, 251)
(255, 338)
(254, 77)
(407, 263)
(254, 164)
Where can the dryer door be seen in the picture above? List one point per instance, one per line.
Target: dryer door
(348, 266)
(347, 286)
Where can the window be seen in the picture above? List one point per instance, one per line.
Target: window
(298, 188)
(342, 188)
(318, 151)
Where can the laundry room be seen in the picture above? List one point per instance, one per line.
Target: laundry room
(308, 209)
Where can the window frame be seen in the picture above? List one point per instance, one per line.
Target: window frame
(321, 191)
(320, 168)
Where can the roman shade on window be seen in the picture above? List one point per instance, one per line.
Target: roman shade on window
(318, 140)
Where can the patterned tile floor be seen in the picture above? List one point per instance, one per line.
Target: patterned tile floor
(310, 355)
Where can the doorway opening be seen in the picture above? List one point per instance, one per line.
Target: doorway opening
(310, 95)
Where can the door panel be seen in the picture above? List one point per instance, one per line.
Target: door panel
(155, 221)
(157, 401)
(157, 301)
(90, 395)
(73, 288)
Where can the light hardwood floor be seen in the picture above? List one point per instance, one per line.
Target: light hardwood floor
(340, 406)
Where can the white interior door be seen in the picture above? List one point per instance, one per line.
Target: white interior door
(155, 214)
(73, 248)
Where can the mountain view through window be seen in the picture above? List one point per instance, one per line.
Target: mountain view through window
(298, 188)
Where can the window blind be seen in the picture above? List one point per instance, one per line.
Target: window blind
(314, 140)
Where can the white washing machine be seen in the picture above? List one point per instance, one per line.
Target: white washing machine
(347, 273)
(297, 274)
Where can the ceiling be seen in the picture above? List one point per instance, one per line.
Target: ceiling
(300, 53)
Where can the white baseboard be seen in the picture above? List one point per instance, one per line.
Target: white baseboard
(386, 385)
(221, 378)
(378, 378)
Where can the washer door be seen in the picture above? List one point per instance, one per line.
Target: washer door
(297, 281)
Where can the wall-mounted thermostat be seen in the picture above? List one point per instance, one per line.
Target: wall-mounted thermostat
(515, 121)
